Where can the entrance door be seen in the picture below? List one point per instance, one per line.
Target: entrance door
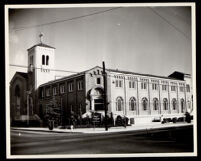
(98, 104)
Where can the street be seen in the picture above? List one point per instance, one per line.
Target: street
(156, 141)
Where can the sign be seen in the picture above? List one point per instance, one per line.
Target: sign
(96, 118)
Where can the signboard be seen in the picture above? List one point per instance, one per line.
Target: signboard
(96, 119)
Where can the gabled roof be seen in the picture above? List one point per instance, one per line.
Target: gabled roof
(149, 75)
(42, 45)
(25, 75)
(21, 74)
(68, 77)
(109, 70)
(62, 79)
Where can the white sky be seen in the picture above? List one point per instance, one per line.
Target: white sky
(129, 38)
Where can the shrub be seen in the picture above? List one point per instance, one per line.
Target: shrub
(174, 120)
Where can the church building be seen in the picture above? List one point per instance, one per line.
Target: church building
(141, 98)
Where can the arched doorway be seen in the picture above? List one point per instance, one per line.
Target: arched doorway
(96, 98)
(17, 100)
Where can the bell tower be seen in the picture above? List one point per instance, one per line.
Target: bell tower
(40, 64)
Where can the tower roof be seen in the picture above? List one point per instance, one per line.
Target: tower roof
(42, 45)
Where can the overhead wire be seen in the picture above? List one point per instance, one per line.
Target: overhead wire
(69, 19)
(58, 70)
(168, 22)
(78, 17)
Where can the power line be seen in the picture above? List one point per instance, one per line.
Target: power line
(70, 19)
(57, 70)
(168, 22)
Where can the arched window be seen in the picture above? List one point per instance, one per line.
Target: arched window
(165, 104)
(182, 105)
(47, 60)
(155, 103)
(119, 104)
(43, 59)
(174, 103)
(144, 103)
(189, 104)
(132, 104)
(17, 91)
(18, 102)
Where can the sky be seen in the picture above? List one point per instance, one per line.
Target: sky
(146, 40)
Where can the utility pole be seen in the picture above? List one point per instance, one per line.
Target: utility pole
(105, 95)
(27, 107)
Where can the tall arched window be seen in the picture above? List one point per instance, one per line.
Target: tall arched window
(189, 105)
(155, 103)
(47, 60)
(18, 102)
(165, 104)
(119, 104)
(174, 103)
(132, 104)
(43, 59)
(17, 91)
(144, 103)
(182, 105)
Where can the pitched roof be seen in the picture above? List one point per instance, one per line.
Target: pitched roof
(24, 75)
(149, 75)
(42, 45)
(110, 70)
(62, 79)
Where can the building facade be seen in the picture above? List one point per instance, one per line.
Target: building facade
(140, 97)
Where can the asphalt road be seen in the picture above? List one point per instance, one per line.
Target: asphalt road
(157, 141)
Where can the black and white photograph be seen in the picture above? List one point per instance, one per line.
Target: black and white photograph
(100, 80)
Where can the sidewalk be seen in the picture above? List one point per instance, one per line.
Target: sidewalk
(110, 130)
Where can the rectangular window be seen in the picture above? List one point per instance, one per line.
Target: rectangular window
(47, 92)
(143, 85)
(70, 87)
(62, 89)
(129, 84)
(173, 88)
(54, 91)
(98, 81)
(154, 86)
(181, 89)
(187, 88)
(164, 87)
(118, 83)
(133, 84)
(80, 85)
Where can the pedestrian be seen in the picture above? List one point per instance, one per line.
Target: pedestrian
(50, 124)
(124, 121)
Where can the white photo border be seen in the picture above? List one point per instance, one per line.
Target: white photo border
(7, 92)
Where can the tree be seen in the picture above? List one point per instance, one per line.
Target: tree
(53, 113)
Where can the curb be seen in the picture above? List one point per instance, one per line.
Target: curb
(105, 132)
(48, 131)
